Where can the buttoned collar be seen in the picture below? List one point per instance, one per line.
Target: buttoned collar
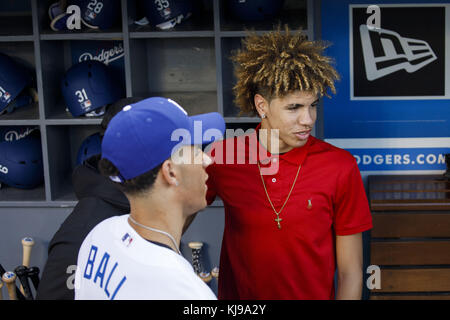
(295, 156)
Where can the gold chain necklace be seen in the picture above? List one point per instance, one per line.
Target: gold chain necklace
(267, 194)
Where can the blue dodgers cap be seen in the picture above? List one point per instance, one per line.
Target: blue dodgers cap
(145, 134)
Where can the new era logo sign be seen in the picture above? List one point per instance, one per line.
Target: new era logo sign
(403, 58)
(386, 52)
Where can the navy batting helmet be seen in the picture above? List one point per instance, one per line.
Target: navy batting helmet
(99, 14)
(13, 80)
(21, 162)
(91, 146)
(166, 14)
(88, 86)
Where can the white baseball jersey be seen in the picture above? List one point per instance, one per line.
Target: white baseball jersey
(115, 262)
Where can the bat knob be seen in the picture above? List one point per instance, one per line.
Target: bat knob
(28, 241)
(205, 276)
(215, 272)
(9, 277)
(195, 245)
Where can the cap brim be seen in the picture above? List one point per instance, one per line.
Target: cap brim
(206, 128)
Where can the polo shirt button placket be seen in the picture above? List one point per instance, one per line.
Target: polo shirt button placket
(277, 186)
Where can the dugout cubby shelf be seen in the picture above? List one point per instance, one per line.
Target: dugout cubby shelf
(23, 53)
(183, 69)
(15, 197)
(47, 33)
(189, 63)
(201, 21)
(13, 13)
(229, 45)
(23, 115)
(56, 58)
(293, 13)
(63, 142)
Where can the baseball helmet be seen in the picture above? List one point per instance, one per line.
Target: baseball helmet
(58, 15)
(254, 10)
(88, 86)
(12, 133)
(13, 80)
(167, 14)
(91, 146)
(100, 14)
(21, 162)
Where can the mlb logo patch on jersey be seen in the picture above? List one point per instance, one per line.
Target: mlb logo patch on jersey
(127, 239)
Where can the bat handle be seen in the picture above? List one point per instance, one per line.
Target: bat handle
(19, 294)
(33, 273)
(27, 244)
(9, 278)
(21, 272)
(1, 286)
(196, 248)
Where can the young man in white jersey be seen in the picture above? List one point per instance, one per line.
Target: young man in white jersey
(137, 256)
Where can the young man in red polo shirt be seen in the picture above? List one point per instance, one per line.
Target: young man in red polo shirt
(295, 206)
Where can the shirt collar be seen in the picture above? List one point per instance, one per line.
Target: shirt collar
(295, 156)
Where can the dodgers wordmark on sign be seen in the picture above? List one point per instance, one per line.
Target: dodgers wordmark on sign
(392, 107)
(393, 155)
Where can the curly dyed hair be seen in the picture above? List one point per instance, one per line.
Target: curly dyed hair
(278, 63)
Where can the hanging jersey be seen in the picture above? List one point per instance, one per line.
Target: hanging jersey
(116, 263)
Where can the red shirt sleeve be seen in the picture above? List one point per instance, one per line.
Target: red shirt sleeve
(351, 209)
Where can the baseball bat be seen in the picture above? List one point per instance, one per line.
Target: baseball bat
(1, 286)
(196, 247)
(33, 274)
(27, 245)
(215, 272)
(18, 293)
(9, 278)
(22, 274)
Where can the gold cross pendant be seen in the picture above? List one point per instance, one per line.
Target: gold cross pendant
(278, 219)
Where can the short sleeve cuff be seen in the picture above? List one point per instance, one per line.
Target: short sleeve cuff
(355, 230)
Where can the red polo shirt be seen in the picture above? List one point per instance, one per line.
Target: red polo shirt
(260, 261)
